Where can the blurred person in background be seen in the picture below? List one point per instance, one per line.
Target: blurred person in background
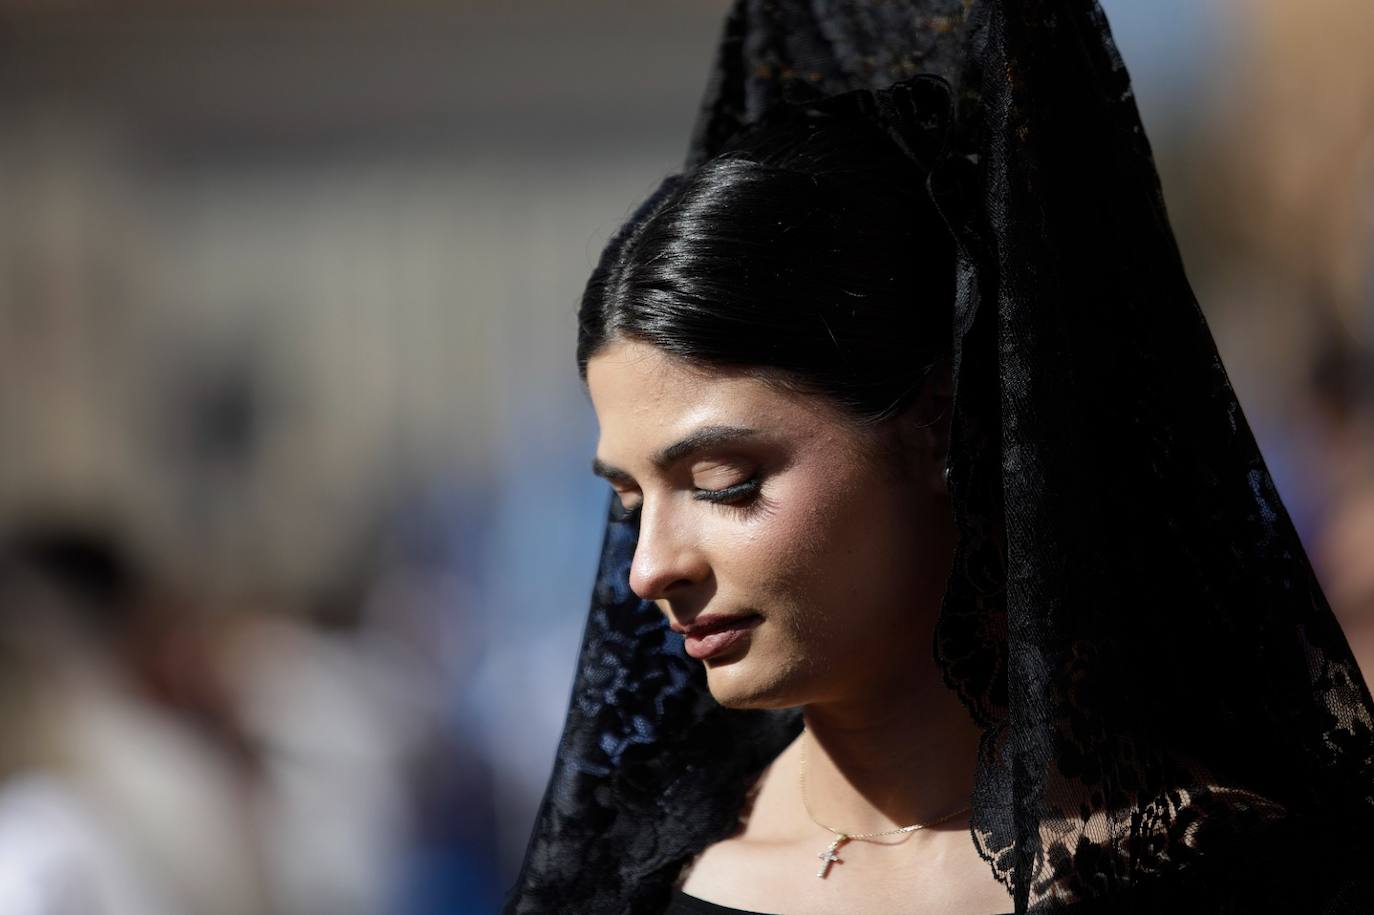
(371, 799)
(1289, 219)
(122, 784)
(266, 761)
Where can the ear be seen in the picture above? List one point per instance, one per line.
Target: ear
(926, 426)
(940, 384)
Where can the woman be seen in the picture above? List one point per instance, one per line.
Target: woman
(798, 533)
(871, 376)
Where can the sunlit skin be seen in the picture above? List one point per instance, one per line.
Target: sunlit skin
(755, 499)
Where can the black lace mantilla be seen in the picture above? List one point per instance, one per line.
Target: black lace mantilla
(1172, 717)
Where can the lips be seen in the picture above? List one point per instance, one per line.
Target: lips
(709, 623)
(709, 636)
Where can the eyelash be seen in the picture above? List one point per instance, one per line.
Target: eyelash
(739, 497)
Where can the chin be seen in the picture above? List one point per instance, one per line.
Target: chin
(738, 684)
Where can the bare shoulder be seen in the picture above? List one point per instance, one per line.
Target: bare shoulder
(781, 880)
(772, 864)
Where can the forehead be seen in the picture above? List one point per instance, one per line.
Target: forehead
(645, 397)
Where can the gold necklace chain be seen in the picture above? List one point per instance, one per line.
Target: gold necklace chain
(828, 857)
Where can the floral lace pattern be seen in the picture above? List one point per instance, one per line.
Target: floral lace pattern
(1171, 713)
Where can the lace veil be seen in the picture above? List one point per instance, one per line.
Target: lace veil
(1171, 713)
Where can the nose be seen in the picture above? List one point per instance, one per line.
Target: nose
(667, 558)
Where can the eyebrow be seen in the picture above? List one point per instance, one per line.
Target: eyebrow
(700, 440)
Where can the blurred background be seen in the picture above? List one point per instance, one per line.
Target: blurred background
(296, 528)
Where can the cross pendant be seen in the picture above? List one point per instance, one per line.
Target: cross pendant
(828, 857)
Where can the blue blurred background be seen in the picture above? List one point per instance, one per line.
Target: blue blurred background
(296, 528)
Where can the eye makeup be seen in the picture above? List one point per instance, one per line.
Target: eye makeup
(739, 495)
(730, 495)
(739, 473)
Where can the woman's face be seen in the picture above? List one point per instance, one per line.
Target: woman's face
(804, 564)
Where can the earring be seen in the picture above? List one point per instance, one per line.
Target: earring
(946, 474)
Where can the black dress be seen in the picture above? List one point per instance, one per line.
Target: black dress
(682, 904)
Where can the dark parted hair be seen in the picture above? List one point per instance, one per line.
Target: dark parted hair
(808, 250)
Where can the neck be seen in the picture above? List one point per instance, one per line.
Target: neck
(874, 765)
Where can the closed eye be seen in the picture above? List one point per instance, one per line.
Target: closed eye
(730, 495)
(738, 495)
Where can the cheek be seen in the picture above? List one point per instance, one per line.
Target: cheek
(799, 552)
(827, 557)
